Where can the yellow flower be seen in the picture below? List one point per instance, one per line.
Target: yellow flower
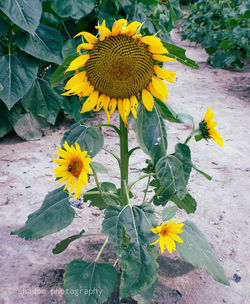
(73, 168)
(168, 235)
(118, 69)
(207, 127)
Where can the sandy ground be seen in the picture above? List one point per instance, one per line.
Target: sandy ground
(30, 273)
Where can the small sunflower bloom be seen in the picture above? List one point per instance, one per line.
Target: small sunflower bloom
(207, 128)
(168, 235)
(73, 168)
(118, 69)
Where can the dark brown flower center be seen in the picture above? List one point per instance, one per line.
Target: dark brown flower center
(120, 66)
(75, 167)
(164, 231)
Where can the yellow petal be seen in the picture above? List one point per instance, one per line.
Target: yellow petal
(119, 27)
(132, 28)
(164, 74)
(75, 80)
(72, 187)
(157, 49)
(152, 41)
(89, 37)
(160, 86)
(121, 111)
(112, 105)
(134, 105)
(90, 103)
(155, 93)
(77, 63)
(103, 30)
(147, 100)
(106, 106)
(163, 58)
(85, 46)
(99, 103)
(126, 107)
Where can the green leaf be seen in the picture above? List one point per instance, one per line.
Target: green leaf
(61, 246)
(106, 198)
(75, 9)
(138, 259)
(168, 213)
(196, 250)
(30, 126)
(54, 215)
(182, 117)
(188, 203)
(5, 124)
(169, 171)
(45, 44)
(88, 282)
(69, 48)
(4, 27)
(47, 103)
(167, 112)
(59, 76)
(89, 138)
(202, 172)
(183, 153)
(24, 14)
(99, 167)
(180, 54)
(17, 76)
(72, 106)
(151, 133)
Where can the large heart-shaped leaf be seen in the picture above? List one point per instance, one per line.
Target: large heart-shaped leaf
(196, 250)
(25, 14)
(89, 138)
(170, 173)
(5, 124)
(151, 133)
(54, 215)
(17, 76)
(129, 229)
(88, 282)
(75, 9)
(45, 44)
(183, 153)
(47, 103)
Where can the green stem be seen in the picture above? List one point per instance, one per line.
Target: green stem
(96, 179)
(138, 179)
(101, 250)
(157, 192)
(124, 161)
(187, 139)
(132, 150)
(65, 28)
(10, 38)
(113, 154)
(107, 125)
(91, 193)
(146, 191)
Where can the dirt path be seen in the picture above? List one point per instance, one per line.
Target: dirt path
(30, 273)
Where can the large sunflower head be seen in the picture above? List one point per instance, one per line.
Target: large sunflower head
(207, 127)
(168, 235)
(118, 68)
(73, 168)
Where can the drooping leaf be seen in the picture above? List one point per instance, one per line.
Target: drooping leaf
(168, 213)
(59, 76)
(61, 246)
(17, 76)
(92, 282)
(180, 55)
(24, 14)
(89, 138)
(138, 259)
(75, 9)
(30, 126)
(151, 133)
(188, 203)
(54, 215)
(169, 171)
(196, 250)
(45, 44)
(183, 153)
(43, 101)
(103, 200)
(167, 112)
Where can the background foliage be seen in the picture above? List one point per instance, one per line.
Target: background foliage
(37, 36)
(222, 28)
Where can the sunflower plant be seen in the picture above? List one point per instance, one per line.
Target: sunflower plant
(119, 69)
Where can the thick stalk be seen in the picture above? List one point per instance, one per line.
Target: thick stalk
(124, 161)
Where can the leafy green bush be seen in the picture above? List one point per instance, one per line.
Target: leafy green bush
(37, 36)
(221, 26)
